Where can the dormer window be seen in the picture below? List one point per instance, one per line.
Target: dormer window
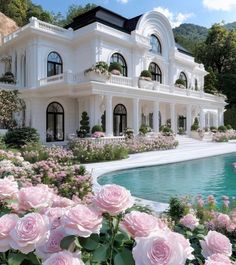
(183, 77)
(55, 65)
(155, 44)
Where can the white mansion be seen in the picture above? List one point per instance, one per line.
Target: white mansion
(48, 63)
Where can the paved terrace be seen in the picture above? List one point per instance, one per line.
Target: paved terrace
(188, 149)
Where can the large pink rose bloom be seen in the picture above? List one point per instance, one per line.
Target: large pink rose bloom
(54, 215)
(190, 221)
(63, 258)
(139, 224)
(218, 259)
(29, 232)
(7, 223)
(37, 197)
(162, 248)
(81, 221)
(8, 188)
(113, 199)
(215, 243)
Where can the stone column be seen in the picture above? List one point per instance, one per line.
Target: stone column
(136, 115)
(109, 116)
(172, 117)
(156, 110)
(202, 119)
(220, 116)
(189, 119)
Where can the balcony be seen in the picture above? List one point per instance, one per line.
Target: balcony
(128, 83)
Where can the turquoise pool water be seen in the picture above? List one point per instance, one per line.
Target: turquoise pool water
(213, 175)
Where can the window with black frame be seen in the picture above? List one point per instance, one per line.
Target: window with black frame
(118, 58)
(183, 77)
(155, 44)
(54, 64)
(155, 72)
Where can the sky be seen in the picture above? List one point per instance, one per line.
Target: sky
(200, 12)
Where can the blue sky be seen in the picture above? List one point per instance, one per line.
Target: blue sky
(200, 12)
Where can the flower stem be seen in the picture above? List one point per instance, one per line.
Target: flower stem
(114, 232)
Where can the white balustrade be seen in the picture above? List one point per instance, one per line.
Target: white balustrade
(120, 80)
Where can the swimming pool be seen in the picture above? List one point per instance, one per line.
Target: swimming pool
(212, 175)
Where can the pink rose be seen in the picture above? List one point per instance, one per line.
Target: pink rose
(7, 223)
(54, 215)
(58, 201)
(81, 221)
(215, 243)
(64, 258)
(223, 220)
(29, 231)
(52, 245)
(139, 224)
(162, 248)
(8, 188)
(218, 259)
(113, 199)
(37, 197)
(190, 221)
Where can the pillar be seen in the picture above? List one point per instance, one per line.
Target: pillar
(189, 119)
(156, 109)
(109, 116)
(136, 116)
(172, 117)
(221, 116)
(202, 119)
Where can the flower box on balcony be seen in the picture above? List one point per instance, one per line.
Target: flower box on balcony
(98, 77)
(145, 84)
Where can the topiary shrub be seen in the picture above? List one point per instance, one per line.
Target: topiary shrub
(8, 77)
(222, 128)
(180, 83)
(144, 129)
(21, 136)
(97, 128)
(195, 125)
(229, 127)
(115, 68)
(146, 74)
(84, 128)
(213, 129)
(166, 130)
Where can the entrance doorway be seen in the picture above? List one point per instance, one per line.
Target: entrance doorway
(119, 120)
(182, 122)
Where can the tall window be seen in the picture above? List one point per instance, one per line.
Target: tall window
(118, 58)
(155, 44)
(155, 72)
(55, 122)
(183, 77)
(55, 65)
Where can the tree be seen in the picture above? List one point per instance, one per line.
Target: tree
(84, 122)
(210, 82)
(10, 103)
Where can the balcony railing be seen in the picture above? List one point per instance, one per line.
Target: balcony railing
(72, 78)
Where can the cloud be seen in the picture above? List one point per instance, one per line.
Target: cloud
(224, 5)
(175, 18)
(123, 1)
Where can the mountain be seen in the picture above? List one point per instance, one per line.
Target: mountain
(189, 35)
(7, 26)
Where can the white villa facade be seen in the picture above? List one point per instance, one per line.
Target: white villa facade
(48, 64)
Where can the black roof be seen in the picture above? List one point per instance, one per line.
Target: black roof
(105, 16)
(112, 19)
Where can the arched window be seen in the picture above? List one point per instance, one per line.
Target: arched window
(155, 44)
(55, 65)
(183, 77)
(155, 72)
(119, 119)
(118, 58)
(55, 122)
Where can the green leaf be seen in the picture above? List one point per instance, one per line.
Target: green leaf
(90, 243)
(31, 257)
(16, 259)
(124, 257)
(121, 237)
(67, 241)
(101, 254)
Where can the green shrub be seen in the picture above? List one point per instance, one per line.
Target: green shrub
(144, 129)
(213, 129)
(180, 82)
(18, 137)
(222, 128)
(195, 125)
(34, 152)
(102, 65)
(97, 128)
(177, 209)
(166, 130)
(181, 131)
(84, 124)
(146, 73)
(115, 66)
(229, 117)
(229, 127)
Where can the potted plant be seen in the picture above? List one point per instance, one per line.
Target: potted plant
(8, 77)
(196, 132)
(115, 68)
(180, 83)
(145, 80)
(98, 72)
(129, 133)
